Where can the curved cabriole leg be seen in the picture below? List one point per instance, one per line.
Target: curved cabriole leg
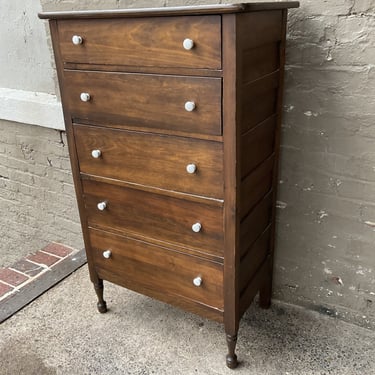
(99, 288)
(231, 356)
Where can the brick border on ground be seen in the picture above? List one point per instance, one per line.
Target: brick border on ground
(32, 275)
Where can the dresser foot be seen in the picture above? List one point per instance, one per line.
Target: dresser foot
(99, 289)
(231, 358)
(102, 307)
(264, 299)
(265, 294)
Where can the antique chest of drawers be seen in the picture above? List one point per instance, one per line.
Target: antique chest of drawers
(173, 121)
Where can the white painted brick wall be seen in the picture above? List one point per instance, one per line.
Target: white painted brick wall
(36, 193)
(326, 241)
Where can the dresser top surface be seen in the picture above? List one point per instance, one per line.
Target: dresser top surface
(171, 11)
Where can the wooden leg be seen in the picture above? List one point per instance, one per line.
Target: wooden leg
(265, 296)
(231, 356)
(99, 288)
(265, 291)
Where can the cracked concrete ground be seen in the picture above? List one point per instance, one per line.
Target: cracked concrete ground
(62, 333)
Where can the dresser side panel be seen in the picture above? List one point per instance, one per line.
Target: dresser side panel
(261, 36)
(265, 294)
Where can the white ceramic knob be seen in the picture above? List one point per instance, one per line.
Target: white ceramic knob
(191, 168)
(85, 96)
(197, 281)
(96, 154)
(188, 43)
(196, 227)
(101, 206)
(189, 106)
(107, 254)
(76, 39)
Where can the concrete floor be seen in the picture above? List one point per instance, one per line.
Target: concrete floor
(62, 333)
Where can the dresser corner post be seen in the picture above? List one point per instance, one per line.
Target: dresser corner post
(231, 183)
(265, 291)
(99, 290)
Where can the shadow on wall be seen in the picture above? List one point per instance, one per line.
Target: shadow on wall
(326, 216)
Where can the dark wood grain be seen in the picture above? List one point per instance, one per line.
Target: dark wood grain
(257, 145)
(151, 159)
(260, 61)
(144, 43)
(256, 185)
(255, 222)
(259, 100)
(259, 28)
(253, 258)
(260, 278)
(136, 263)
(152, 189)
(155, 216)
(147, 101)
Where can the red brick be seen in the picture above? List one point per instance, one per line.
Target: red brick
(58, 249)
(43, 258)
(12, 277)
(26, 267)
(4, 289)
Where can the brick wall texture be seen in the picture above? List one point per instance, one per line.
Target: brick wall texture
(37, 198)
(326, 209)
(326, 231)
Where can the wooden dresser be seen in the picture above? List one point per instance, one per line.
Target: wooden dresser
(173, 122)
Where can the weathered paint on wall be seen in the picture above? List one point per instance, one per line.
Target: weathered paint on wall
(37, 198)
(27, 89)
(326, 210)
(326, 232)
(25, 59)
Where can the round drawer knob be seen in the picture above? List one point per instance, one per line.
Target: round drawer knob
(107, 254)
(196, 227)
(76, 39)
(96, 154)
(85, 96)
(188, 43)
(101, 206)
(191, 168)
(189, 106)
(197, 281)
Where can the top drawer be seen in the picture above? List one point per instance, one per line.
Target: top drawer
(155, 42)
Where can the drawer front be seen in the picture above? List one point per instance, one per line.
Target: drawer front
(143, 42)
(138, 265)
(152, 160)
(146, 101)
(157, 216)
